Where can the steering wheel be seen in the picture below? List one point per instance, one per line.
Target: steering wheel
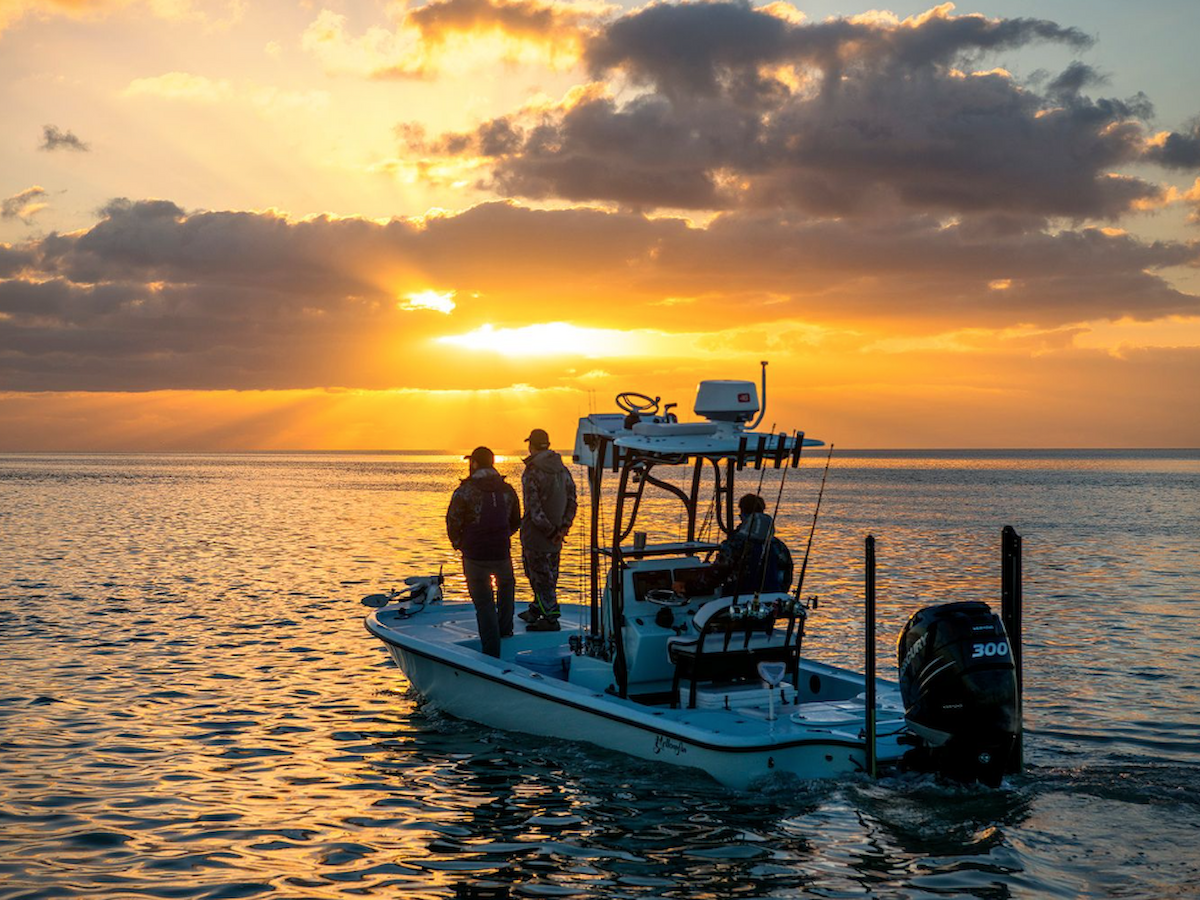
(628, 402)
(665, 597)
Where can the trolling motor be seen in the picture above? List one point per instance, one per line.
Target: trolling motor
(958, 681)
(418, 591)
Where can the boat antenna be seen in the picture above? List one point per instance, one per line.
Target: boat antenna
(812, 530)
(762, 581)
(762, 411)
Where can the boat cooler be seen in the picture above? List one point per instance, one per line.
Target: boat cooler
(741, 696)
(552, 662)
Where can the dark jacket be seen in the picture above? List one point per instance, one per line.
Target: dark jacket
(741, 557)
(484, 513)
(550, 502)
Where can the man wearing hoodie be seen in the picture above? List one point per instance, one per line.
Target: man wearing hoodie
(483, 515)
(740, 556)
(549, 493)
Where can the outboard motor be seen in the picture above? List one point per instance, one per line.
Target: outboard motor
(959, 686)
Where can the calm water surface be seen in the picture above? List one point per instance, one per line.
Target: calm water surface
(190, 706)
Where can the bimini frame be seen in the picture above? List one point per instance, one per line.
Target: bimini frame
(634, 466)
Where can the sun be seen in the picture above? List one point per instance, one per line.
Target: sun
(438, 301)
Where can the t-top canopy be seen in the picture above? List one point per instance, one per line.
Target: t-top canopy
(657, 437)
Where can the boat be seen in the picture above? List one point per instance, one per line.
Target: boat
(668, 660)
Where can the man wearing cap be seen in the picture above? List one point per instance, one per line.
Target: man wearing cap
(484, 513)
(549, 493)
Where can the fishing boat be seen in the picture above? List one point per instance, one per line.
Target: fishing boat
(677, 659)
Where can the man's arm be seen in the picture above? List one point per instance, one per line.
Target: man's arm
(572, 506)
(514, 511)
(456, 519)
(535, 508)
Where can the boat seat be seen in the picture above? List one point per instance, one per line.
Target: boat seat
(729, 647)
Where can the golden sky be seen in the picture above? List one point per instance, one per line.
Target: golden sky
(370, 225)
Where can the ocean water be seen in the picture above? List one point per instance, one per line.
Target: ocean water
(190, 706)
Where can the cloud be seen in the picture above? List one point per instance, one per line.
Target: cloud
(25, 205)
(13, 11)
(530, 19)
(456, 34)
(1175, 151)
(180, 86)
(188, 88)
(156, 297)
(55, 139)
(690, 49)
(737, 107)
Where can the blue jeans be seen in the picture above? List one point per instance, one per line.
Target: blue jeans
(493, 607)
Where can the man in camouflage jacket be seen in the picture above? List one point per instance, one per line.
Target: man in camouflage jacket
(550, 505)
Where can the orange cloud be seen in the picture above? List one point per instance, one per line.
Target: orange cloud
(13, 11)
(457, 34)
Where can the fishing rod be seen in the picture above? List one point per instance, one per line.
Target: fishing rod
(813, 529)
(762, 581)
(762, 469)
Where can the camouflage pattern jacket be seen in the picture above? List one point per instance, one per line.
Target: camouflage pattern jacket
(550, 503)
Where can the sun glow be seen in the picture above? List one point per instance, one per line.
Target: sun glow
(548, 339)
(438, 301)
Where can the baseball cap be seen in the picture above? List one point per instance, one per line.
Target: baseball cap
(482, 457)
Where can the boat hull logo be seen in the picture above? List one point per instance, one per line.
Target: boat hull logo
(669, 745)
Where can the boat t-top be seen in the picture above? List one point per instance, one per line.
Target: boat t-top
(686, 653)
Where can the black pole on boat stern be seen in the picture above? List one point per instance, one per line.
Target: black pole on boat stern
(1010, 614)
(870, 654)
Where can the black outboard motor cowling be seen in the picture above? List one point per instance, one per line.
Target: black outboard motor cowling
(959, 686)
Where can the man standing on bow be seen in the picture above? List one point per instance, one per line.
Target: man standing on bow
(483, 515)
(549, 494)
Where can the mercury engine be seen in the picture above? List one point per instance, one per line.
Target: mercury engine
(959, 686)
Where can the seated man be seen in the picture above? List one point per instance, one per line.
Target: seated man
(741, 555)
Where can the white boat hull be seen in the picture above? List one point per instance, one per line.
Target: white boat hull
(737, 747)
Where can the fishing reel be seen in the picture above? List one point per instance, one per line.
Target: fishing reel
(418, 589)
(752, 610)
(794, 606)
(593, 645)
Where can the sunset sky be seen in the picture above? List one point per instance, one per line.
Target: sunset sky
(286, 224)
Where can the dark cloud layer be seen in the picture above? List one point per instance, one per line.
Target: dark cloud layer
(53, 138)
(1177, 151)
(741, 109)
(690, 49)
(155, 297)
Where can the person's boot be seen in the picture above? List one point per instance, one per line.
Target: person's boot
(529, 615)
(547, 623)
